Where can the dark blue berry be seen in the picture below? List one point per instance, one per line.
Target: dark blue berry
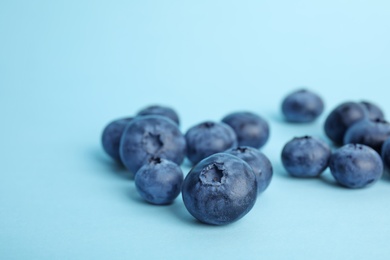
(160, 111)
(374, 112)
(209, 138)
(368, 132)
(386, 153)
(220, 189)
(260, 164)
(159, 181)
(356, 165)
(302, 106)
(111, 137)
(305, 157)
(251, 129)
(341, 118)
(151, 136)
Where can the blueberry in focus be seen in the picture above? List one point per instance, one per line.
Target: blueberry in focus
(111, 137)
(220, 189)
(305, 156)
(386, 153)
(159, 181)
(341, 118)
(372, 133)
(302, 106)
(208, 138)
(160, 111)
(251, 129)
(356, 165)
(374, 112)
(260, 164)
(151, 136)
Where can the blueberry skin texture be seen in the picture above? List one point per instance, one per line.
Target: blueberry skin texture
(160, 111)
(220, 189)
(151, 136)
(251, 129)
(341, 118)
(111, 137)
(159, 181)
(374, 111)
(356, 166)
(368, 132)
(260, 164)
(386, 153)
(302, 106)
(305, 157)
(208, 138)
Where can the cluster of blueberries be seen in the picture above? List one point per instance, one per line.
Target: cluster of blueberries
(228, 169)
(360, 130)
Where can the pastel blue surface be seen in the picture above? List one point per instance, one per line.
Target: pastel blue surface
(69, 67)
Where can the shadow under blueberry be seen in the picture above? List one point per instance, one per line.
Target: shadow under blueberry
(112, 166)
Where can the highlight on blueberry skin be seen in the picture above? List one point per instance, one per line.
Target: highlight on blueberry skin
(251, 129)
(159, 181)
(305, 157)
(208, 138)
(302, 106)
(111, 137)
(374, 111)
(151, 136)
(260, 164)
(372, 133)
(220, 189)
(341, 118)
(356, 166)
(386, 153)
(160, 111)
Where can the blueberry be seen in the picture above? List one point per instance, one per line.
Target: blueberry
(305, 156)
(302, 106)
(151, 136)
(160, 111)
(111, 137)
(374, 112)
(251, 129)
(372, 133)
(260, 164)
(209, 138)
(342, 117)
(356, 165)
(159, 181)
(386, 153)
(220, 189)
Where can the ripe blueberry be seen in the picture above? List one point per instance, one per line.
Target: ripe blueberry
(208, 138)
(356, 165)
(305, 156)
(160, 111)
(220, 189)
(386, 153)
(374, 112)
(159, 181)
(251, 129)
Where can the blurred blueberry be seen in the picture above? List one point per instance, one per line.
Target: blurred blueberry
(386, 153)
(209, 138)
(251, 129)
(341, 118)
(160, 111)
(302, 106)
(372, 133)
(374, 112)
(260, 164)
(356, 166)
(159, 181)
(220, 189)
(305, 157)
(151, 136)
(111, 137)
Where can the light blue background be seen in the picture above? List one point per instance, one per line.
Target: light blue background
(69, 67)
